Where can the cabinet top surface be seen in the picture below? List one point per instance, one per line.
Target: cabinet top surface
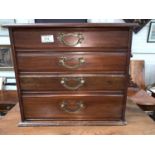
(76, 25)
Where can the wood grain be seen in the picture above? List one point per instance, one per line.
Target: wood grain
(31, 38)
(106, 51)
(96, 106)
(53, 82)
(49, 62)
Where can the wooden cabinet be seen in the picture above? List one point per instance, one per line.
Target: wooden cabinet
(72, 74)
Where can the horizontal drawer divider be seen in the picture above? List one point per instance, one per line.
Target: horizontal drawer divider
(113, 53)
(67, 93)
(73, 72)
(70, 49)
(32, 74)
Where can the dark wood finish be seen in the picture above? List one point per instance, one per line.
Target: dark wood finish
(106, 50)
(52, 82)
(16, 74)
(49, 62)
(4, 108)
(127, 72)
(147, 107)
(107, 38)
(96, 106)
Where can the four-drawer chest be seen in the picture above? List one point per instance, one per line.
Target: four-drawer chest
(71, 74)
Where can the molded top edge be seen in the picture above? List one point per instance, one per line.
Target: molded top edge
(76, 25)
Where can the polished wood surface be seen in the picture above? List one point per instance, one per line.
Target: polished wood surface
(74, 51)
(53, 82)
(49, 62)
(138, 124)
(49, 107)
(100, 37)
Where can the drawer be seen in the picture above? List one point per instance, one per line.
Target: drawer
(71, 62)
(82, 82)
(73, 107)
(46, 38)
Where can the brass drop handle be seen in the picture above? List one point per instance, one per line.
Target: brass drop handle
(80, 82)
(79, 105)
(63, 61)
(61, 37)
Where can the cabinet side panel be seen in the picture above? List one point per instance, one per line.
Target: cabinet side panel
(127, 72)
(16, 72)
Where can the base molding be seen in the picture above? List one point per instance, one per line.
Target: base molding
(71, 123)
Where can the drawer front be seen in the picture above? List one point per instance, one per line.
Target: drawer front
(76, 61)
(73, 106)
(41, 38)
(83, 82)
